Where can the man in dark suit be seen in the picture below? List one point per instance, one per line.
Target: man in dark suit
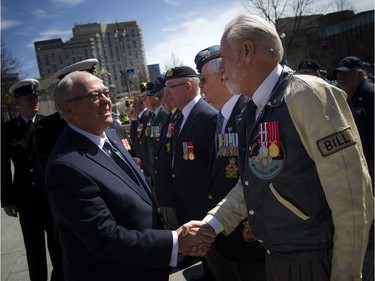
(191, 145)
(48, 129)
(108, 221)
(23, 194)
(243, 255)
(156, 122)
(163, 169)
(140, 132)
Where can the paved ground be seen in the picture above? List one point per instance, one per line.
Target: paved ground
(13, 255)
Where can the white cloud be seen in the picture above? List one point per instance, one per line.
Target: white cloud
(69, 2)
(38, 12)
(173, 2)
(186, 39)
(5, 24)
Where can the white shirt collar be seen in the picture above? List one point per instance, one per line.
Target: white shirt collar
(141, 113)
(97, 140)
(27, 119)
(263, 93)
(187, 109)
(227, 108)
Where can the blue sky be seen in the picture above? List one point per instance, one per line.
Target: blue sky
(181, 27)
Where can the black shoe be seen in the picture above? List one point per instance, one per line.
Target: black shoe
(200, 278)
(188, 261)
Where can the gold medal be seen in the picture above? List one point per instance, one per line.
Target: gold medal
(247, 235)
(273, 150)
(191, 156)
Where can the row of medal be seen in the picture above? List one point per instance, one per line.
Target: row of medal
(188, 150)
(150, 131)
(228, 145)
(269, 139)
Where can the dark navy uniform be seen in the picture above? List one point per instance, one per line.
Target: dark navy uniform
(240, 247)
(47, 132)
(25, 191)
(139, 134)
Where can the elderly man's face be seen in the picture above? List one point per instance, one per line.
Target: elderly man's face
(210, 84)
(90, 114)
(231, 68)
(349, 80)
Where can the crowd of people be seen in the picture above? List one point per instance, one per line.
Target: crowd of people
(261, 172)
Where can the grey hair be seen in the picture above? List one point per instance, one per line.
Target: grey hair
(213, 66)
(259, 31)
(195, 82)
(64, 89)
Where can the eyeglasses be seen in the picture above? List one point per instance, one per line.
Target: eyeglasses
(93, 96)
(169, 87)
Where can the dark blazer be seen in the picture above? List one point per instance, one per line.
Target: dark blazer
(164, 188)
(109, 225)
(189, 176)
(154, 140)
(47, 132)
(140, 138)
(240, 245)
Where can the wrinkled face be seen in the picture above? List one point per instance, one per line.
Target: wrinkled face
(349, 80)
(210, 84)
(177, 89)
(166, 100)
(28, 106)
(231, 65)
(89, 106)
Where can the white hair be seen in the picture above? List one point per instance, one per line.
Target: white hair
(259, 31)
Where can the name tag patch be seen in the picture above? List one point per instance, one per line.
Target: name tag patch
(336, 142)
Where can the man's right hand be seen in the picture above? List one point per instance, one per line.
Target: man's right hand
(11, 210)
(195, 238)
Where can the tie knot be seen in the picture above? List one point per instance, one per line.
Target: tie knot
(251, 105)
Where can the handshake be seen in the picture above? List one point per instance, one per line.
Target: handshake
(195, 238)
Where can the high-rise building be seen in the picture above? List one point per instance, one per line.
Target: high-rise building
(118, 47)
(154, 71)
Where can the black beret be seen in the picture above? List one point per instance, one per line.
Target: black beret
(349, 63)
(180, 72)
(206, 55)
(310, 64)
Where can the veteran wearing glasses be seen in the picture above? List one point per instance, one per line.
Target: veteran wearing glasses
(191, 144)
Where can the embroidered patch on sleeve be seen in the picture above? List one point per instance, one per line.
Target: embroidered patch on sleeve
(336, 142)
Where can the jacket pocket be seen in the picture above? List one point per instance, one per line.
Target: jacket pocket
(287, 204)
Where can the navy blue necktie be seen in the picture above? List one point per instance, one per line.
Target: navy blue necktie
(176, 129)
(119, 159)
(219, 129)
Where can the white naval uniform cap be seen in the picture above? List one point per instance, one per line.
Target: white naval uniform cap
(24, 87)
(88, 65)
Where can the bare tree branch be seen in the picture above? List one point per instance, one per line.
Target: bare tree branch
(9, 64)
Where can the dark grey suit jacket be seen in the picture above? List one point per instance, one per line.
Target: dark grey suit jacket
(109, 225)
